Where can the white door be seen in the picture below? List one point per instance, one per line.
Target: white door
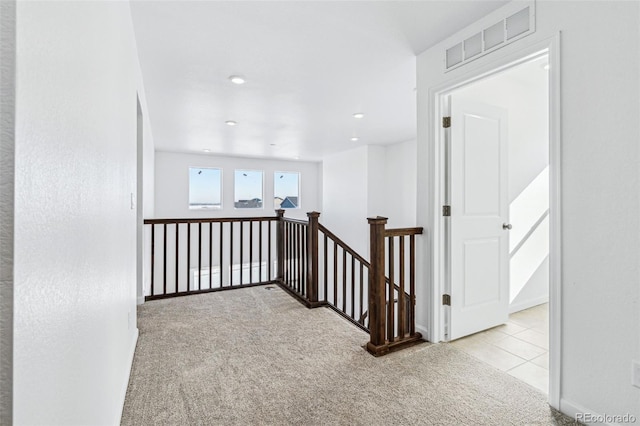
(479, 241)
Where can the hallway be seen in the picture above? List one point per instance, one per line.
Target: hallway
(257, 356)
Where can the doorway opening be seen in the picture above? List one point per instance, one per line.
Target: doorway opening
(496, 234)
(139, 203)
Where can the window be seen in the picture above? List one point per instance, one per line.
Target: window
(286, 190)
(205, 189)
(248, 189)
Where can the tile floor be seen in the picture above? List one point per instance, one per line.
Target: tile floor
(520, 347)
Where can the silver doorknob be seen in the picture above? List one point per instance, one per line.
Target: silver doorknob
(506, 226)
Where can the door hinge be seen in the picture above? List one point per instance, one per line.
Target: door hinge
(446, 299)
(446, 210)
(446, 122)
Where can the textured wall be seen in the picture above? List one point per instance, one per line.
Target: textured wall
(7, 149)
(75, 292)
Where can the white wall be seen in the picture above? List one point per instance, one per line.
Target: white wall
(369, 181)
(377, 201)
(400, 184)
(7, 174)
(344, 197)
(600, 132)
(172, 185)
(75, 287)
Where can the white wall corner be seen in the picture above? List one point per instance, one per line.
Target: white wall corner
(127, 374)
(526, 304)
(424, 331)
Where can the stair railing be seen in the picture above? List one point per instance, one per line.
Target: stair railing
(190, 256)
(391, 329)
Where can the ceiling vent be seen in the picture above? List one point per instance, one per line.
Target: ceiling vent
(484, 39)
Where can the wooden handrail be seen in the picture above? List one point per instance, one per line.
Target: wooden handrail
(343, 245)
(292, 220)
(402, 232)
(210, 220)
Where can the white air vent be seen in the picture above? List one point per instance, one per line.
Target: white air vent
(513, 22)
(473, 46)
(518, 23)
(494, 35)
(454, 55)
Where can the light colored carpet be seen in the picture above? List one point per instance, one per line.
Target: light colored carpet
(258, 357)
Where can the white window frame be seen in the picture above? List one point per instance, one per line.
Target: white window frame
(212, 207)
(235, 184)
(298, 206)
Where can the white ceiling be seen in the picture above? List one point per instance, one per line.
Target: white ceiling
(309, 66)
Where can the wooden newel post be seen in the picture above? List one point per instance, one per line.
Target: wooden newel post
(312, 253)
(377, 298)
(280, 245)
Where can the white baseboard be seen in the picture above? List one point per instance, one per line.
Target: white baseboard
(140, 300)
(517, 307)
(123, 393)
(576, 412)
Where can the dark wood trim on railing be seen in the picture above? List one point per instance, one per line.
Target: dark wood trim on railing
(213, 219)
(377, 300)
(342, 244)
(312, 252)
(209, 290)
(391, 329)
(402, 232)
(177, 270)
(280, 244)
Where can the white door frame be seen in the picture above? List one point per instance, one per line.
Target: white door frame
(438, 100)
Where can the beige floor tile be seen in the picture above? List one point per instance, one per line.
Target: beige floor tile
(542, 361)
(519, 347)
(542, 328)
(494, 356)
(540, 312)
(487, 336)
(509, 328)
(534, 337)
(467, 342)
(542, 308)
(532, 374)
(529, 322)
(508, 347)
(491, 335)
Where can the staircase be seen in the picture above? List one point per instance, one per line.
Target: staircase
(192, 256)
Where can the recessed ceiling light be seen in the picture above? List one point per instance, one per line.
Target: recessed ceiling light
(230, 123)
(296, 157)
(358, 115)
(206, 150)
(237, 79)
(355, 139)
